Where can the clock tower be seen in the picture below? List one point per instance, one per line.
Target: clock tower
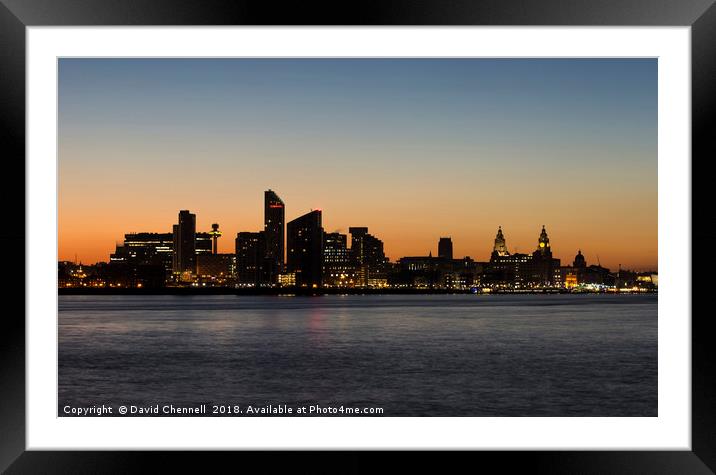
(500, 248)
(544, 244)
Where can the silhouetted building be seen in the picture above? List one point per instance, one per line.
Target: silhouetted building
(305, 249)
(418, 271)
(435, 272)
(574, 275)
(216, 268)
(337, 268)
(500, 247)
(146, 249)
(543, 270)
(579, 261)
(598, 275)
(367, 257)
(251, 259)
(445, 248)
(185, 244)
(274, 227)
(204, 243)
(538, 269)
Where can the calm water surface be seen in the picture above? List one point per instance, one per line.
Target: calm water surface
(426, 355)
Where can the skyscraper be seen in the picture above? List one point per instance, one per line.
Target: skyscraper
(367, 255)
(337, 268)
(274, 227)
(445, 248)
(250, 258)
(185, 243)
(305, 248)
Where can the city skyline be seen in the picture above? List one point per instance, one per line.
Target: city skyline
(316, 259)
(435, 248)
(414, 149)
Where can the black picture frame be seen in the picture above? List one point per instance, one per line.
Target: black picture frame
(16, 15)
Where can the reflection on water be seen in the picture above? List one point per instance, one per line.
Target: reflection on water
(431, 355)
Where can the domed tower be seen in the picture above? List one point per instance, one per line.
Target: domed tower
(544, 243)
(500, 248)
(579, 261)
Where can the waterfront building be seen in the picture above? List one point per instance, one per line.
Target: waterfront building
(367, 257)
(216, 268)
(445, 248)
(305, 249)
(507, 270)
(435, 272)
(570, 279)
(543, 270)
(274, 229)
(574, 275)
(500, 247)
(337, 268)
(184, 241)
(146, 249)
(204, 243)
(287, 279)
(417, 272)
(250, 259)
(538, 269)
(579, 261)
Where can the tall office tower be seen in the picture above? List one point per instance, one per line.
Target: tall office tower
(367, 255)
(445, 248)
(250, 259)
(274, 227)
(185, 243)
(305, 249)
(337, 268)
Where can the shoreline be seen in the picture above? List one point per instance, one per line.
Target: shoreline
(286, 291)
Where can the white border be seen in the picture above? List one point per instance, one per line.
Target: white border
(670, 430)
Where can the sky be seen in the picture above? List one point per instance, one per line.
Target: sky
(415, 149)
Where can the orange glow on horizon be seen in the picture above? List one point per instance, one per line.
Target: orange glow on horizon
(92, 234)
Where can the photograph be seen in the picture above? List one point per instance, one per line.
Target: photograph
(358, 237)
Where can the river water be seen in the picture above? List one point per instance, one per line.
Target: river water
(416, 355)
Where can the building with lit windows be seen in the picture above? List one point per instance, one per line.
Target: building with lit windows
(538, 269)
(337, 268)
(441, 272)
(204, 243)
(218, 269)
(543, 270)
(146, 249)
(368, 258)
